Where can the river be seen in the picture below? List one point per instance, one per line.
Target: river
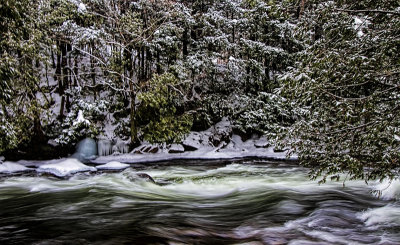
(198, 202)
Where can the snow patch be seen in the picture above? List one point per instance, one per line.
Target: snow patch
(81, 119)
(82, 8)
(176, 148)
(114, 165)
(64, 168)
(10, 167)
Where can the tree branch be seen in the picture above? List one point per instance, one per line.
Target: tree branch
(369, 11)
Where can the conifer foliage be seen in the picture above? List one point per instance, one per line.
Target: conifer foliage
(320, 77)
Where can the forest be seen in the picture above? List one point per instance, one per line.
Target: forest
(318, 78)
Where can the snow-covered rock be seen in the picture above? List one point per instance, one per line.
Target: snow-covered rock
(65, 168)
(114, 165)
(176, 148)
(195, 141)
(2, 159)
(146, 148)
(262, 142)
(11, 167)
(220, 132)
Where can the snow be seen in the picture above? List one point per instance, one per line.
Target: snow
(235, 149)
(10, 167)
(81, 119)
(65, 167)
(176, 148)
(82, 8)
(113, 165)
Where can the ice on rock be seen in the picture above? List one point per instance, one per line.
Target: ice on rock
(65, 168)
(86, 150)
(104, 147)
(123, 147)
(11, 167)
(114, 165)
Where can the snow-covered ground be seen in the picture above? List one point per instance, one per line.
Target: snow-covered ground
(235, 149)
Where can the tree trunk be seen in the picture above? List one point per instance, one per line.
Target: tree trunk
(134, 139)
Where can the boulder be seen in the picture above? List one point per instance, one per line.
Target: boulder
(147, 148)
(278, 149)
(195, 141)
(176, 148)
(221, 132)
(11, 167)
(65, 168)
(134, 176)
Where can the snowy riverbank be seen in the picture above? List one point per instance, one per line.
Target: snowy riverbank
(235, 149)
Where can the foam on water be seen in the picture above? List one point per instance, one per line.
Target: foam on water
(234, 203)
(387, 215)
(388, 189)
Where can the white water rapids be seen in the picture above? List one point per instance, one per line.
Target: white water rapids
(238, 202)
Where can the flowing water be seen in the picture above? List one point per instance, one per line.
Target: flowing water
(241, 202)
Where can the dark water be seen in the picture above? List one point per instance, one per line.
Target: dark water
(247, 202)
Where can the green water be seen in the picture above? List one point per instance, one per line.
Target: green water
(238, 202)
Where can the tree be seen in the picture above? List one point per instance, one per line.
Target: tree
(20, 56)
(346, 86)
(158, 110)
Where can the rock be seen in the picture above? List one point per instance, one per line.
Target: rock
(176, 148)
(279, 149)
(221, 132)
(133, 176)
(193, 141)
(262, 143)
(2, 159)
(146, 177)
(148, 148)
(11, 167)
(65, 168)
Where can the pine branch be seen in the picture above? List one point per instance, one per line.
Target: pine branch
(369, 11)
